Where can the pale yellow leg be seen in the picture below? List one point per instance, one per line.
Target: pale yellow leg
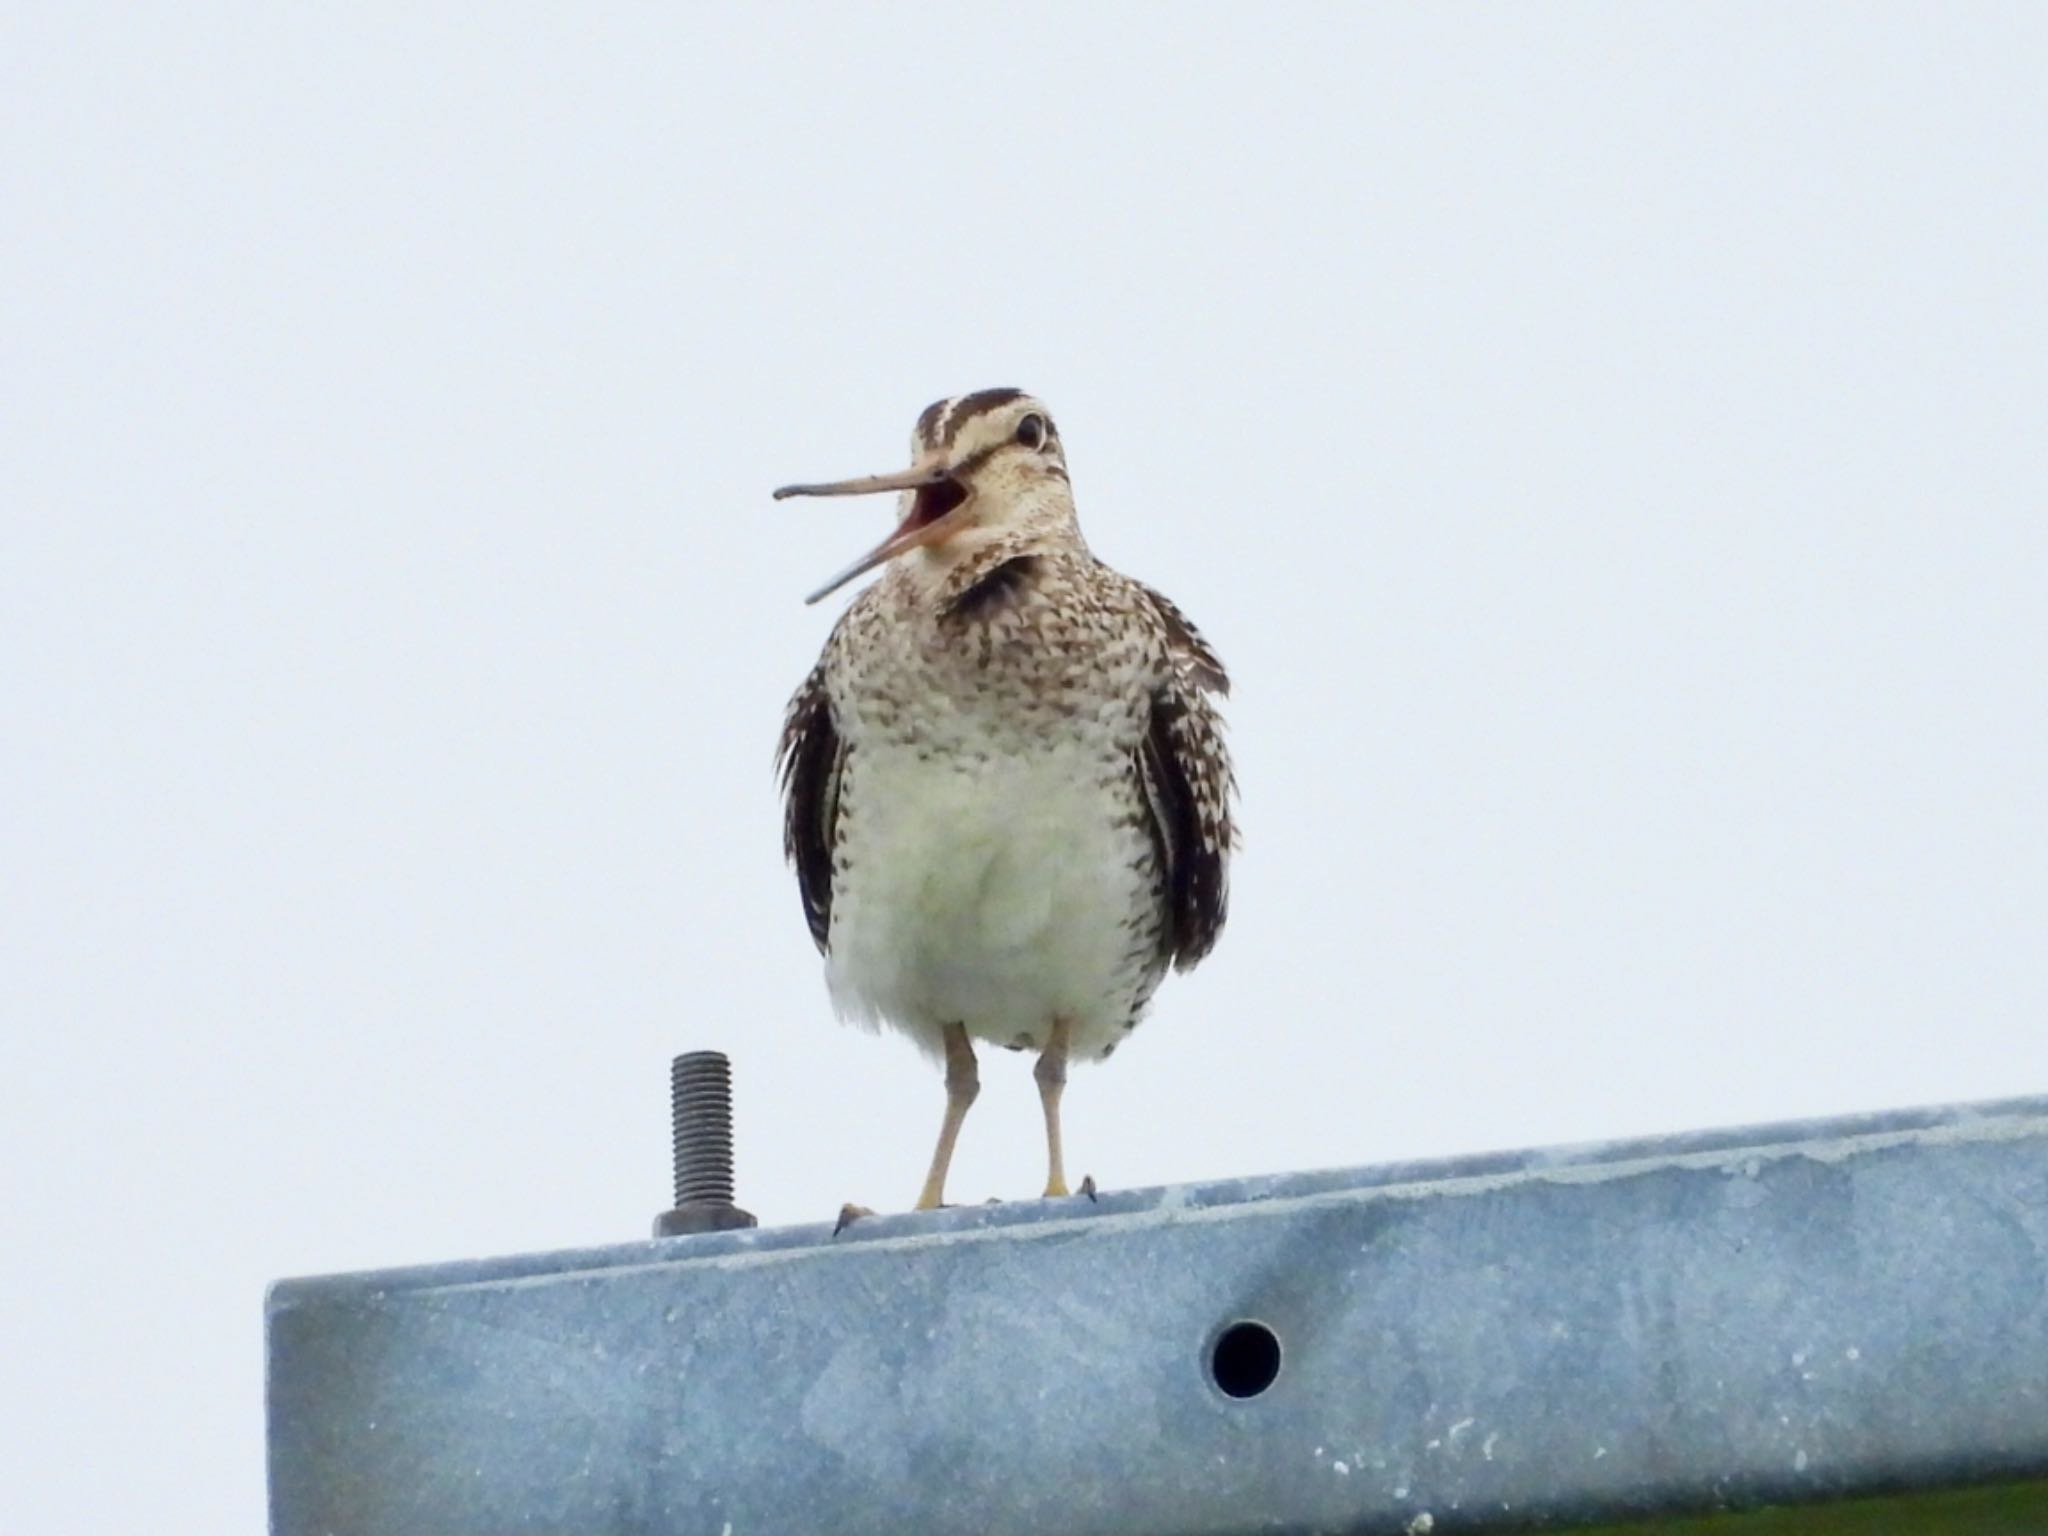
(963, 1082)
(1051, 1073)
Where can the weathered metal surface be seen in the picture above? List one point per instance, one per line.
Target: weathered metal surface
(1855, 1308)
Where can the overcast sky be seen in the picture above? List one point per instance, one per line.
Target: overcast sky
(1605, 442)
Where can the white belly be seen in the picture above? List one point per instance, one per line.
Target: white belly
(996, 894)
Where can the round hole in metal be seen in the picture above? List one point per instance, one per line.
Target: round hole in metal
(1245, 1359)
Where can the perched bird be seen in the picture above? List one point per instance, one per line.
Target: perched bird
(1005, 788)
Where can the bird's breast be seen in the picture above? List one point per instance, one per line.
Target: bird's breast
(997, 890)
(1023, 672)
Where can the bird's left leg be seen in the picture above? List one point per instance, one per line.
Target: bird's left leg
(1051, 1073)
(963, 1083)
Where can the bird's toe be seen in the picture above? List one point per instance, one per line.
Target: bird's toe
(849, 1213)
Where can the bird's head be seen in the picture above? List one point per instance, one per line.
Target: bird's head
(985, 468)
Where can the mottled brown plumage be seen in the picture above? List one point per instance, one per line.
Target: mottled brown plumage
(1007, 792)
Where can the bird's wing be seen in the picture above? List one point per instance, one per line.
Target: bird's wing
(809, 760)
(1185, 769)
(1185, 641)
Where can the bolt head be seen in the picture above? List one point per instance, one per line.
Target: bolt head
(705, 1216)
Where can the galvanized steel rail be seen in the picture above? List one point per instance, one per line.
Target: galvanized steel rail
(1813, 1312)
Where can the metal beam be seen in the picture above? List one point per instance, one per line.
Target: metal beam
(1845, 1310)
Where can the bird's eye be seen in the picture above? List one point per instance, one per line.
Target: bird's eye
(1031, 431)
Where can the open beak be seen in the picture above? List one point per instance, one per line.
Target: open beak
(935, 496)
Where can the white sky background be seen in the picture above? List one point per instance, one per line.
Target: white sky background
(1607, 444)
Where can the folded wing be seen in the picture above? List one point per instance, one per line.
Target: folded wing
(810, 759)
(1185, 770)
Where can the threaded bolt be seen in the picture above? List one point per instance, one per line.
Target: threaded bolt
(700, 1115)
(700, 1109)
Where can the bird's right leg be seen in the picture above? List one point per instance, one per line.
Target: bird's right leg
(963, 1082)
(1051, 1073)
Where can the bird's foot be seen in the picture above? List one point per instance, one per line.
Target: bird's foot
(849, 1213)
(1087, 1188)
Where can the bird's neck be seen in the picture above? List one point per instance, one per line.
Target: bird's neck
(938, 575)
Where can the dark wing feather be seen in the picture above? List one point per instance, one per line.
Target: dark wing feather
(809, 759)
(1189, 649)
(1186, 775)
